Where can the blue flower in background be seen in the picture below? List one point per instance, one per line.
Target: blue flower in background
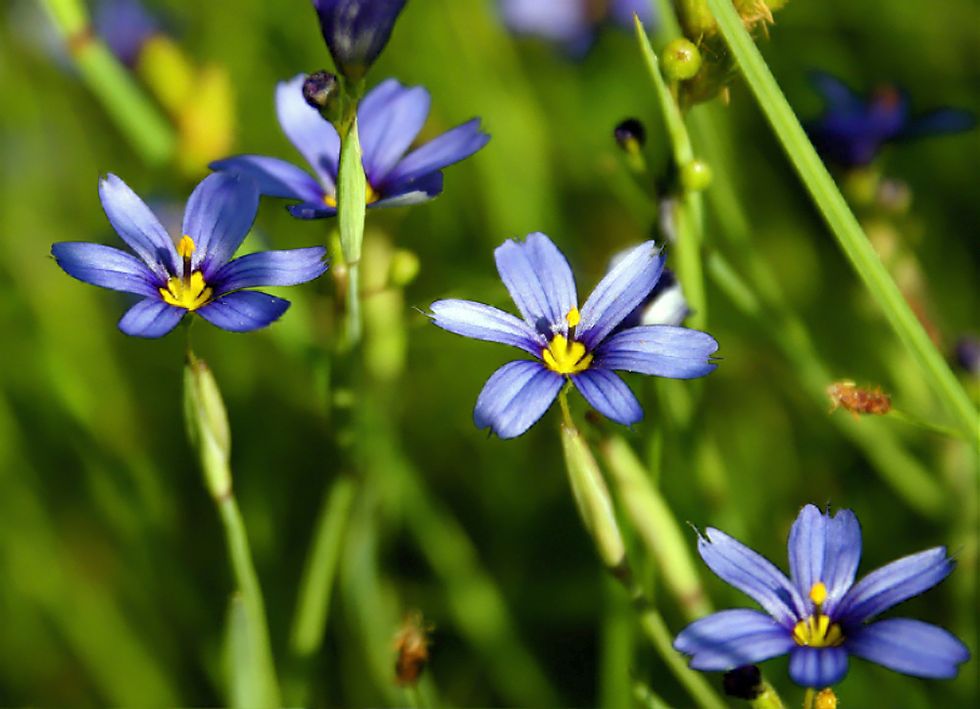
(389, 119)
(125, 25)
(356, 31)
(569, 344)
(572, 23)
(820, 617)
(852, 130)
(196, 275)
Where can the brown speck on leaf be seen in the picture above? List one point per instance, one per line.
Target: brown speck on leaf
(858, 400)
(412, 643)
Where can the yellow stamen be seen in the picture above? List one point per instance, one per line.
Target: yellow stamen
(190, 293)
(185, 247)
(564, 357)
(370, 196)
(818, 631)
(818, 593)
(574, 317)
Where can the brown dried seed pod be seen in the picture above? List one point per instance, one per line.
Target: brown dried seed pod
(858, 400)
(412, 643)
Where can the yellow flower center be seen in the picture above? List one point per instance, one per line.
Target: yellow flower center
(189, 291)
(817, 630)
(370, 196)
(564, 355)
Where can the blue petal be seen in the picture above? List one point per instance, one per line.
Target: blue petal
(938, 122)
(273, 177)
(564, 22)
(609, 395)
(406, 193)
(388, 125)
(243, 310)
(310, 133)
(218, 216)
(539, 280)
(311, 210)
(730, 639)
(151, 317)
(270, 268)
(125, 25)
(625, 286)
(107, 267)
(826, 549)
(450, 147)
(356, 31)
(894, 583)
(910, 647)
(484, 322)
(137, 225)
(660, 350)
(837, 94)
(752, 574)
(515, 397)
(817, 667)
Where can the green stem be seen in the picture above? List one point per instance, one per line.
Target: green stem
(310, 620)
(253, 605)
(839, 217)
(809, 697)
(688, 209)
(139, 120)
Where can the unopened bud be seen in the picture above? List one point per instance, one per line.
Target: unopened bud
(207, 426)
(631, 135)
(592, 498)
(696, 176)
(968, 354)
(681, 59)
(320, 88)
(743, 682)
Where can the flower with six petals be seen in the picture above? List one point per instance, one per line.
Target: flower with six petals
(819, 616)
(197, 274)
(568, 343)
(389, 118)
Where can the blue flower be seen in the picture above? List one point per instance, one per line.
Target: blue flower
(570, 344)
(852, 130)
(389, 118)
(820, 617)
(196, 274)
(571, 23)
(356, 31)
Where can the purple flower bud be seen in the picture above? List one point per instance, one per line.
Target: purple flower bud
(630, 134)
(743, 682)
(968, 354)
(356, 31)
(319, 88)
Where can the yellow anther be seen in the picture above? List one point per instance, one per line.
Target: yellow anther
(818, 631)
(370, 196)
(574, 317)
(190, 294)
(564, 357)
(185, 247)
(818, 593)
(825, 699)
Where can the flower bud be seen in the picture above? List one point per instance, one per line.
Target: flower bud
(968, 354)
(356, 31)
(743, 682)
(592, 498)
(319, 89)
(207, 426)
(681, 60)
(696, 176)
(631, 135)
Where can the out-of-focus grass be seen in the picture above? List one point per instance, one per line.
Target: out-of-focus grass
(115, 581)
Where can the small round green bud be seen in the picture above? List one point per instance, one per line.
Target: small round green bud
(681, 60)
(404, 268)
(696, 176)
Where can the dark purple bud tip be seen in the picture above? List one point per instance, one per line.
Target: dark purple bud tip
(743, 682)
(630, 134)
(356, 31)
(968, 354)
(319, 89)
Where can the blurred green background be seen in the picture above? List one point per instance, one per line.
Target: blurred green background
(114, 580)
